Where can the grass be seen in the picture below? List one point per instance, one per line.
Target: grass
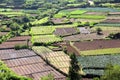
(101, 51)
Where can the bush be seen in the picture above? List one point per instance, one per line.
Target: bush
(18, 47)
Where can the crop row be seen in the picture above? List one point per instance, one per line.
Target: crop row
(98, 62)
(46, 39)
(101, 51)
(42, 30)
(58, 59)
(110, 24)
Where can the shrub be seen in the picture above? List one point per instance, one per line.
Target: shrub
(18, 47)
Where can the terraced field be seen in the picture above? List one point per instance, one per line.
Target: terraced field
(46, 39)
(65, 31)
(58, 59)
(95, 65)
(22, 61)
(42, 30)
(98, 47)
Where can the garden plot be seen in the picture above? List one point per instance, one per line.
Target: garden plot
(26, 63)
(11, 45)
(41, 21)
(97, 44)
(20, 38)
(113, 21)
(60, 21)
(42, 30)
(98, 47)
(3, 33)
(65, 31)
(84, 37)
(96, 17)
(46, 39)
(58, 59)
(26, 33)
(114, 13)
(93, 64)
(96, 13)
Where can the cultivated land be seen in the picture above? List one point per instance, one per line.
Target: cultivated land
(52, 34)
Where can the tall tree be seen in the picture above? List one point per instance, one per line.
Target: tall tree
(74, 69)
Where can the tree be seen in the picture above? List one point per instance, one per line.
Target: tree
(99, 31)
(48, 77)
(74, 69)
(114, 36)
(112, 73)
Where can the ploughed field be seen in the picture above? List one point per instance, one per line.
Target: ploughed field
(10, 44)
(98, 44)
(65, 31)
(111, 21)
(26, 63)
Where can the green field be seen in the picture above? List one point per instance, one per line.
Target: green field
(101, 51)
(112, 25)
(88, 16)
(106, 28)
(45, 39)
(77, 12)
(12, 14)
(42, 30)
(60, 15)
(41, 50)
(41, 21)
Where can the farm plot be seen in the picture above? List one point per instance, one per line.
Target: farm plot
(98, 47)
(41, 50)
(77, 12)
(20, 38)
(12, 14)
(96, 13)
(3, 33)
(26, 33)
(60, 15)
(101, 51)
(114, 13)
(113, 21)
(46, 39)
(42, 30)
(61, 21)
(58, 59)
(108, 24)
(110, 29)
(65, 31)
(93, 64)
(97, 44)
(83, 37)
(99, 9)
(41, 21)
(88, 16)
(22, 61)
(9, 45)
